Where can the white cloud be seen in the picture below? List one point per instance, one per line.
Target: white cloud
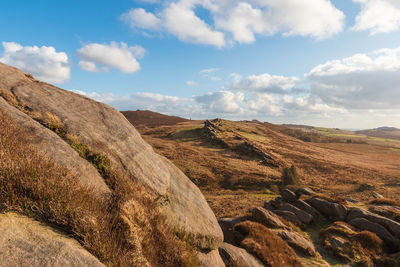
(221, 102)
(191, 83)
(45, 63)
(139, 18)
(181, 21)
(378, 16)
(264, 83)
(116, 55)
(363, 81)
(240, 21)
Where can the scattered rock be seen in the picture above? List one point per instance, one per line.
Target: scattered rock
(288, 215)
(26, 242)
(288, 195)
(379, 230)
(210, 130)
(391, 212)
(227, 226)
(303, 216)
(304, 191)
(299, 243)
(349, 199)
(238, 257)
(267, 218)
(211, 258)
(307, 208)
(277, 203)
(331, 210)
(392, 226)
(377, 195)
(337, 242)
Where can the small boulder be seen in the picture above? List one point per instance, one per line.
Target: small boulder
(288, 215)
(377, 195)
(303, 216)
(304, 191)
(299, 243)
(379, 230)
(307, 208)
(238, 257)
(211, 258)
(331, 210)
(227, 224)
(267, 218)
(288, 195)
(392, 226)
(277, 203)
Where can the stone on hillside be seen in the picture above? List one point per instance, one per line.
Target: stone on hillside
(331, 210)
(307, 208)
(211, 258)
(392, 226)
(337, 243)
(267, 218)
(107, 131)
(26, 242)
(238, 257)
(288, 195)
(304, 191)
(277, 203)
(303, 216)
(288, 216)
(51, 145)
(379, 230)
(386, 211)
(299, 243)
(377, 195)
(227, 226)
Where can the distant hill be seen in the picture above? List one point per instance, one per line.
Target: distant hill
(382, 132)
(150, 118)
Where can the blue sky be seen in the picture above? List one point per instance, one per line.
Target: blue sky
(286, 61)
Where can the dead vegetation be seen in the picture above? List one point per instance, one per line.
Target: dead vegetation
(121, 229)
(266, 245)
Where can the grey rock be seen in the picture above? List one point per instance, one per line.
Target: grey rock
(106, 130)
(299, 243)
(331, 210)
(379, 230)
(238, 257)
(303, 216)
(392, 226)
(210, 259)
(26, 242)
(304, 191)
(288, 195)
(307, 208)
(288, 215)
(267, 218)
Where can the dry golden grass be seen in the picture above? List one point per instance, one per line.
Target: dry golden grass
(266, 245)
(385, 201)
(121, 229)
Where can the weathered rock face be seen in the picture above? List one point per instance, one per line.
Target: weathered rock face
(299, 243)
(307, 208)
(211, 258)
(267, 218)
(331, 210)
(288, 195)
(392, 226)
(303, 216)
(238, 257)
(106, 130)
(375, 228)
(49, 143)
(25, 242)
(288, 215)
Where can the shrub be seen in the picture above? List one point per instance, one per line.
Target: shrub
(266, 245)
(120, 229)
(290, 176)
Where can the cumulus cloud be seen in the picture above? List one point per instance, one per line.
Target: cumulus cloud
(362, 81)
(45, 63)
(191, 83)
(223, 102)
(378, 16)
(139, 18)
(264, 83)
(101, 57)
(240, 21)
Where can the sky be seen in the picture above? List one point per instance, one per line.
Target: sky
(332, 63)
